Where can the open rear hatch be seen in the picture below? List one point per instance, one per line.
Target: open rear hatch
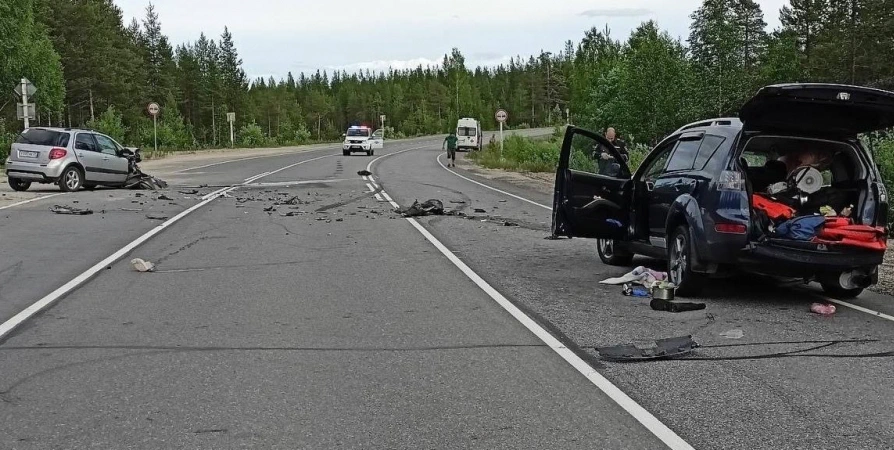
(819, 109)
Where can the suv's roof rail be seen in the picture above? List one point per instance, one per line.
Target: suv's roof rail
(721, 121)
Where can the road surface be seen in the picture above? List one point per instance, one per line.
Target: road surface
(291, 308)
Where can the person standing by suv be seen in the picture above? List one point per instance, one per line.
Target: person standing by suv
(605, 159)
(450, 142)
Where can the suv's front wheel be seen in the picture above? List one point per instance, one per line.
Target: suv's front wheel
(679, 264)
(19, 185)
(610, 254)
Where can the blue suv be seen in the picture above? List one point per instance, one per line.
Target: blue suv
(748, 193)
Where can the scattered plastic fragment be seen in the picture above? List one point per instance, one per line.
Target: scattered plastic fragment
(189, 192)
(733, 334)
(823, 309)
(364, 173)
(68, 210)
(156, 217)
(479, 210)
(164, 197)
(660, 349)
(141, 265)
(431, 207)
(635, 291)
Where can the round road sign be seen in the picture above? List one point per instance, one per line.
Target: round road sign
(501, 116)
(153, 109)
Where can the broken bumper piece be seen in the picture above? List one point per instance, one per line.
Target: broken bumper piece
(660, 349)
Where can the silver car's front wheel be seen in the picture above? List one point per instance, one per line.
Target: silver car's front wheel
(71, 180)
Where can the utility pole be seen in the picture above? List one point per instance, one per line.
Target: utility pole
(92, 117)
(25, 101)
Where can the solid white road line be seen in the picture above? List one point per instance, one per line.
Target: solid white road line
(861, 309)
(379, 197)
(23, 202)
(438, 158)
(371, 188)
(650, 422)
(365, 178)
(38, 306)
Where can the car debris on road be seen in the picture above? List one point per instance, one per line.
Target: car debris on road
(141, 265)
(156, 217)
(660, 349)
(823, 309)
(431, 207)
(72, 211)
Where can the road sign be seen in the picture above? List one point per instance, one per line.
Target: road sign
(153, 109)
(26, 87)
(25, 110)
(502, 116)
(231, 117)
(382, 117)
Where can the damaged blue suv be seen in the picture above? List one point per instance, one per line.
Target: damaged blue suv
(787, 189)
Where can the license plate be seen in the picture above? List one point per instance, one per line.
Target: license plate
(28, 154)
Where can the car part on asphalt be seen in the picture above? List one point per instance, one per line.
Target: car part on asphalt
(431, 207)
(733, 334)
(141, 265)
(630, 290)
(189, 192)
(70, 210)
(156, 217)
(823, 309)
(663, 290)
(660, 349)
(675, 307)
(364, 173)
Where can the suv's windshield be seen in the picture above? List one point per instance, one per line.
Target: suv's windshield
(466, 131)
(358, 132)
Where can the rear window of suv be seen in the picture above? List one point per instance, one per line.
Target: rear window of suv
(50, 138)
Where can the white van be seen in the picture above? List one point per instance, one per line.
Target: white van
(468, 133)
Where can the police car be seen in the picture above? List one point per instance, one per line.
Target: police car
(362, 139)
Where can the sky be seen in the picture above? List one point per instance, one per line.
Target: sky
(274, 37)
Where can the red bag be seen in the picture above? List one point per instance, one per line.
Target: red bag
(775, 210)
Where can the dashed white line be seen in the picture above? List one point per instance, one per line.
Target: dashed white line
(379, 197)
(35, 199)
(371, 188)
(438, 159)
(365, 178)
(650, 422)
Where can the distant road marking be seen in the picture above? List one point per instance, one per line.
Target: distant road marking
(650, 422)
(371, 188)
(23, 202)
(219, 163)
(249, 180)
(438, 159)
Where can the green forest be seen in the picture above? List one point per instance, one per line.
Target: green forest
(94, 70)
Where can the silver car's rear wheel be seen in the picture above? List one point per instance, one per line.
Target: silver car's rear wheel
(71, 179)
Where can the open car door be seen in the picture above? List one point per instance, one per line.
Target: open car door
(593, 188)
(377, 140)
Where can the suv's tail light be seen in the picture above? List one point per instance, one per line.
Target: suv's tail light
(731, 180)
(57, 153)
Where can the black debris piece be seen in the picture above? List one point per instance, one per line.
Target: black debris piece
(203, 185)
(138, 194)
(156, 217)
(502, 201)
(660, 349)
(132, 209)
(431, 207)
(293, 213)
(291, 201)
(339, 220)
(480, 211)
(364, 173)
(165, 197)
(189, 192)
(270, 209)
(510, 224)
(71, 211)
(459, 202)
(139, 180)
(675, 307)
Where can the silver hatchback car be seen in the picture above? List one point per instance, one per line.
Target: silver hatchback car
(71, 158)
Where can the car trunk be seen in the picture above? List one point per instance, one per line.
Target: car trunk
(797, 186)
(34, 145)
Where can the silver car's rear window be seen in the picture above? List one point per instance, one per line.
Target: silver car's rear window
(36, 136)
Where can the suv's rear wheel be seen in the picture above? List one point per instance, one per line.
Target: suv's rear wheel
(71, 179)
(19, 185)
(834, 290)
(679, 264)
(610, 254)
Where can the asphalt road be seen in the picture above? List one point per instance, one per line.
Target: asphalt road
(329, 321)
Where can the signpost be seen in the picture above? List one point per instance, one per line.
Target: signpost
(502, 116)
(231, 118)
(154, 109)
(25, 111)
(382, 118)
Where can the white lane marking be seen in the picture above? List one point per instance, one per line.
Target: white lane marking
(659, 429)
(369, 166)
(379, 197)
(52, 297)
(438, 159)
(371, 188)
(365, 178)
(23, 202)
(38, 306)
(371, 180)
(250, 158)
(267, 174)
(860, 308)
(295, 183)
(252, 177)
